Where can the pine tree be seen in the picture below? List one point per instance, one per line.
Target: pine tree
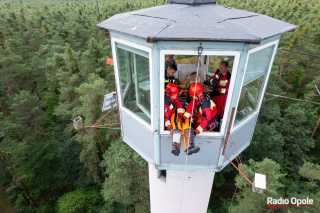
(2, 41)
(13, 71)
(27, 116)
(46, 30)
(296, 127)
(132, 188)
(91, 97)
(93, 60)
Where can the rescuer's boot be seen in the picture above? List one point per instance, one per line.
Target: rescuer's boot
(176, 142)
(193, 149)
(175, 149)
(189, 135)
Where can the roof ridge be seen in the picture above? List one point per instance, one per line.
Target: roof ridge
(237, 18)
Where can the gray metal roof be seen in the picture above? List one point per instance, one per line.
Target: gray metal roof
(209, 22)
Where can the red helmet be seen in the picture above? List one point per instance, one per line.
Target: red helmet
(172, 89)
(195, 90)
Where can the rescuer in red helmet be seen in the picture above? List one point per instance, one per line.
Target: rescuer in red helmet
(205, 108)
(172, 105)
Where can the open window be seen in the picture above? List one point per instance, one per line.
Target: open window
(134, 79)
(257, 69)
(214, 61)
(186, 65)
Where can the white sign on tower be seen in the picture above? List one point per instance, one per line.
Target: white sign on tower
(109, 101)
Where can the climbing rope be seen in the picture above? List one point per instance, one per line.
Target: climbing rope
(284, 97)
(104, 115)
(301, 53)
(99, 126)
(226, 142)
(200, 49)
(237, 157)
(232, 198)
(237, 154)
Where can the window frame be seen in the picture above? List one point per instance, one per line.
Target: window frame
(137, 89)
(147, 49)
(236, 54)
(250, 51)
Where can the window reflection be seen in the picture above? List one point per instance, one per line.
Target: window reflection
(133, 65)
(253, 83)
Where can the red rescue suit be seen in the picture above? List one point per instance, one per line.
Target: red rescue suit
(206, 110)
(220, 98)
(170, 106)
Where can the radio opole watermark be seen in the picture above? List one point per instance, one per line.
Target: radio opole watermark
(281, 202)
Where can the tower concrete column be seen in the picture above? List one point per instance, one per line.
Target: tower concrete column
(191, 189)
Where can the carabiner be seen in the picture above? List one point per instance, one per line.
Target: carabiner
(200, 49)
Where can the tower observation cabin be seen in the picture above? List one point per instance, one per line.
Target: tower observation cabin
(199, 35)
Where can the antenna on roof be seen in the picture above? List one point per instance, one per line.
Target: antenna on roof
(98, 10)
(317, 89)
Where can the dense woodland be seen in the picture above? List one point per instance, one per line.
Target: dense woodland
(52, 68)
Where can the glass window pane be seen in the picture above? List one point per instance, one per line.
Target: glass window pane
(133, 65)
(253, 83)
(214, 62)
(142, 67)
(186, 59)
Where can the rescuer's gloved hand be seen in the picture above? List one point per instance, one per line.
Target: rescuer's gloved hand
(182, 120)
(214, 82)
(215, 88)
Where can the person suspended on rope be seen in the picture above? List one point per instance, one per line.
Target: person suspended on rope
(169, 75)
(172, 108)
(172, 103)
(219, 83)
(173, 112)
(205, 109)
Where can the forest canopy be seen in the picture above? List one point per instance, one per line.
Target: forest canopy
(52, 68)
